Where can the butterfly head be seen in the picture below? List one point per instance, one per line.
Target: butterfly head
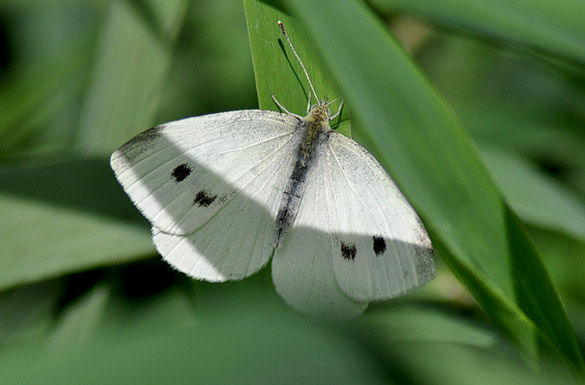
(320, 111)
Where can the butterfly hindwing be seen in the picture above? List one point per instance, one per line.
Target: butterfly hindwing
(214, 189)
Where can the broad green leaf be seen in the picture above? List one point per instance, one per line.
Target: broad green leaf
(416, 324)
(538, 199)
(33, 96)
(87, 323)
(213, 345)
(62, 217)
(420, 142)
(509, 99)
(564, 257)
(264, 346)
(532, 135)
(78, 323)
(126, 319)
(26, 321)
(421, 340)
(27, 313)
(425, 362)
(132, 59)
(553, 27)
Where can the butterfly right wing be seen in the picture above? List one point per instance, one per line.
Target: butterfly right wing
(355, 238)
(210, 186)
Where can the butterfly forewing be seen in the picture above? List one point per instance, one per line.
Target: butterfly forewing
(181, 173)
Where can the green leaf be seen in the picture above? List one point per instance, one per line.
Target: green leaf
(425, 362)
(62, 217)
(563, 256)
(133, 57)
(420, 142)
(410, 323)
(538, 199)
(159, 343)
(27, 314)
(79, 322)
(420, 341)
(33, 96)
(553, 27)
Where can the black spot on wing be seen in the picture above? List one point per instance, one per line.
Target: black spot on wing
(181, 172)
(348, 251)
(379, 245)
(203, 199)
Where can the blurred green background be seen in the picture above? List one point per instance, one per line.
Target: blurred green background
(85, 298)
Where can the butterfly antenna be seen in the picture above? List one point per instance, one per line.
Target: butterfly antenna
(298, 58)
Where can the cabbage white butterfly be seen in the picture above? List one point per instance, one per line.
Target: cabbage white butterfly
(227, 192)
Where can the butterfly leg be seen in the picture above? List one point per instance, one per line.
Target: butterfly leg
(338, 111)
(284, 109)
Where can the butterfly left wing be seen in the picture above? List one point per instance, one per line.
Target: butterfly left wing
(210, 186)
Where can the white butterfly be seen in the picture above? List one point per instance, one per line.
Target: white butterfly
(226, 192)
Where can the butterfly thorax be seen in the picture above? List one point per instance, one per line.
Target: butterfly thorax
(317, 121)
(319, 113)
